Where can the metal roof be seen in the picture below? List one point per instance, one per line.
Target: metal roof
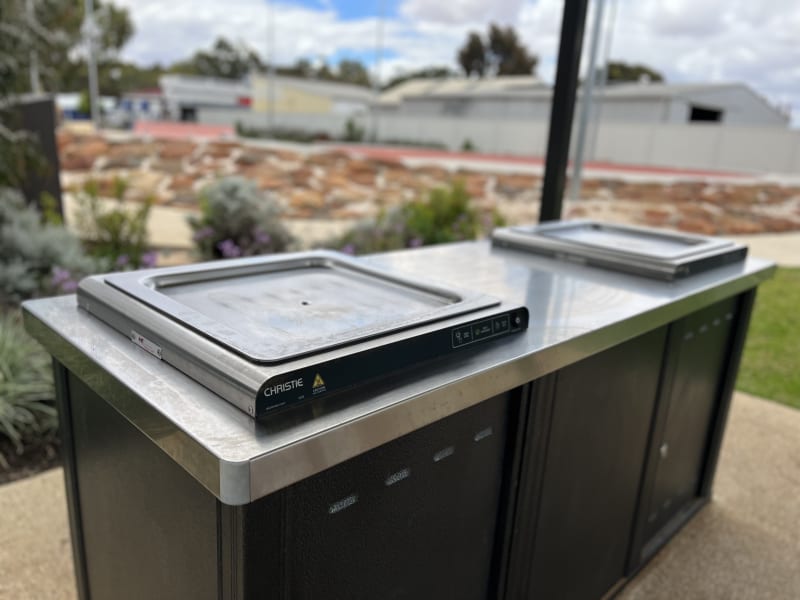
(463, 86)
(532, 87)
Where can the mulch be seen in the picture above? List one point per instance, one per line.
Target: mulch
(35, 458)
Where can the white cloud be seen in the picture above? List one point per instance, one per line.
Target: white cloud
(751, 42)
(688, 40)
(458, 12)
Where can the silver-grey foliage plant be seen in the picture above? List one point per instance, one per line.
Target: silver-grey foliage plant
(37, 258)
(26, 386)
(237, 219)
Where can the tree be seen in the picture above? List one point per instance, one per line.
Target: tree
(501, 54)
(620, 71)
(53, 36)
(301, 68)
(472, 56)
(224, 60)
(426, 73)
(324, 72)
(352, 71)
(507, 56)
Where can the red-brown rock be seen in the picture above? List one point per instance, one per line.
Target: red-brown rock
(694, 225)
(171, 149)
(81, 156)
(306, 199)
(515, 184)
(656, 218)
(181, 183)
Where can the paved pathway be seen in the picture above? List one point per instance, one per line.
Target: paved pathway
(783, 248)
(743, 545)
(181, 131)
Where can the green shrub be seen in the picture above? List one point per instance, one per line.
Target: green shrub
(27, 410)
(37, 258)
(411, 143)
(115, 231)
(238, 220)
(289, 134)
(353, 132)
(85, 103)
(468, 146)
(446, 216)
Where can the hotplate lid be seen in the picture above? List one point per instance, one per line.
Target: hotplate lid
(273, 309)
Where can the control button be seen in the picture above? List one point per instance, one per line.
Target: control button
(500, 324)
(482, 330)
(461, 336)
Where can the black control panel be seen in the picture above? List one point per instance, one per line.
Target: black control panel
(487, 328)
(333, 376)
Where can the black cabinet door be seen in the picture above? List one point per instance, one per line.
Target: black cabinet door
(697, 358)
(419, 517)
(601, 416)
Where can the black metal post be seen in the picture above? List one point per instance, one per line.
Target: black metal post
(562, 109)
(37, 116)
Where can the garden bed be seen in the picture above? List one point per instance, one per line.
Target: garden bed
(36, 457)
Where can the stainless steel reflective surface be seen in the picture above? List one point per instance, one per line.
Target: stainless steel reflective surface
(575, 311)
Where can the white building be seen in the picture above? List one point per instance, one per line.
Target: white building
(528, 99)
(185, 95)
(258, 101)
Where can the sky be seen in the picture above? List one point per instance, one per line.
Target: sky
(754, 42)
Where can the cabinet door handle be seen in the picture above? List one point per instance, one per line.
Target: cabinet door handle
(664, 450)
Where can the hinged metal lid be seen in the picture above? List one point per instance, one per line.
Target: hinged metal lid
(642, 250)
(277, 308)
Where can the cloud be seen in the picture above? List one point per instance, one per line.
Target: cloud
(166, 32)
(688, 40)
(458, 12)
(751, 42)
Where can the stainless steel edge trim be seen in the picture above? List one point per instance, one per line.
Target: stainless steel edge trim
(234, 483)
(186, 451)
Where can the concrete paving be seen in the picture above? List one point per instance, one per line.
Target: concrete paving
(783, 248)
(744, 544)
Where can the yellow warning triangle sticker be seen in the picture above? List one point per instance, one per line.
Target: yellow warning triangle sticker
(318, 381)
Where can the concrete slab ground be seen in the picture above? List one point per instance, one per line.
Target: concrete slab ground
(783, 248)
(744, 544)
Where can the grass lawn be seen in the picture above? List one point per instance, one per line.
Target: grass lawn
(771, 361)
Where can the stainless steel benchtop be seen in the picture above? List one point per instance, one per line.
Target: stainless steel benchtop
(575, 311)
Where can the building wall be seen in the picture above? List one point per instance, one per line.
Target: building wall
(202, 91)
(678, 111)
(697, 146)
(289, 99)
(741, 106)
(701, 146)
(506, 136)
(332, 124)
(633, 110)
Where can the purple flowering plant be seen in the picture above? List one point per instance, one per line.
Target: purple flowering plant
(237, 219)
